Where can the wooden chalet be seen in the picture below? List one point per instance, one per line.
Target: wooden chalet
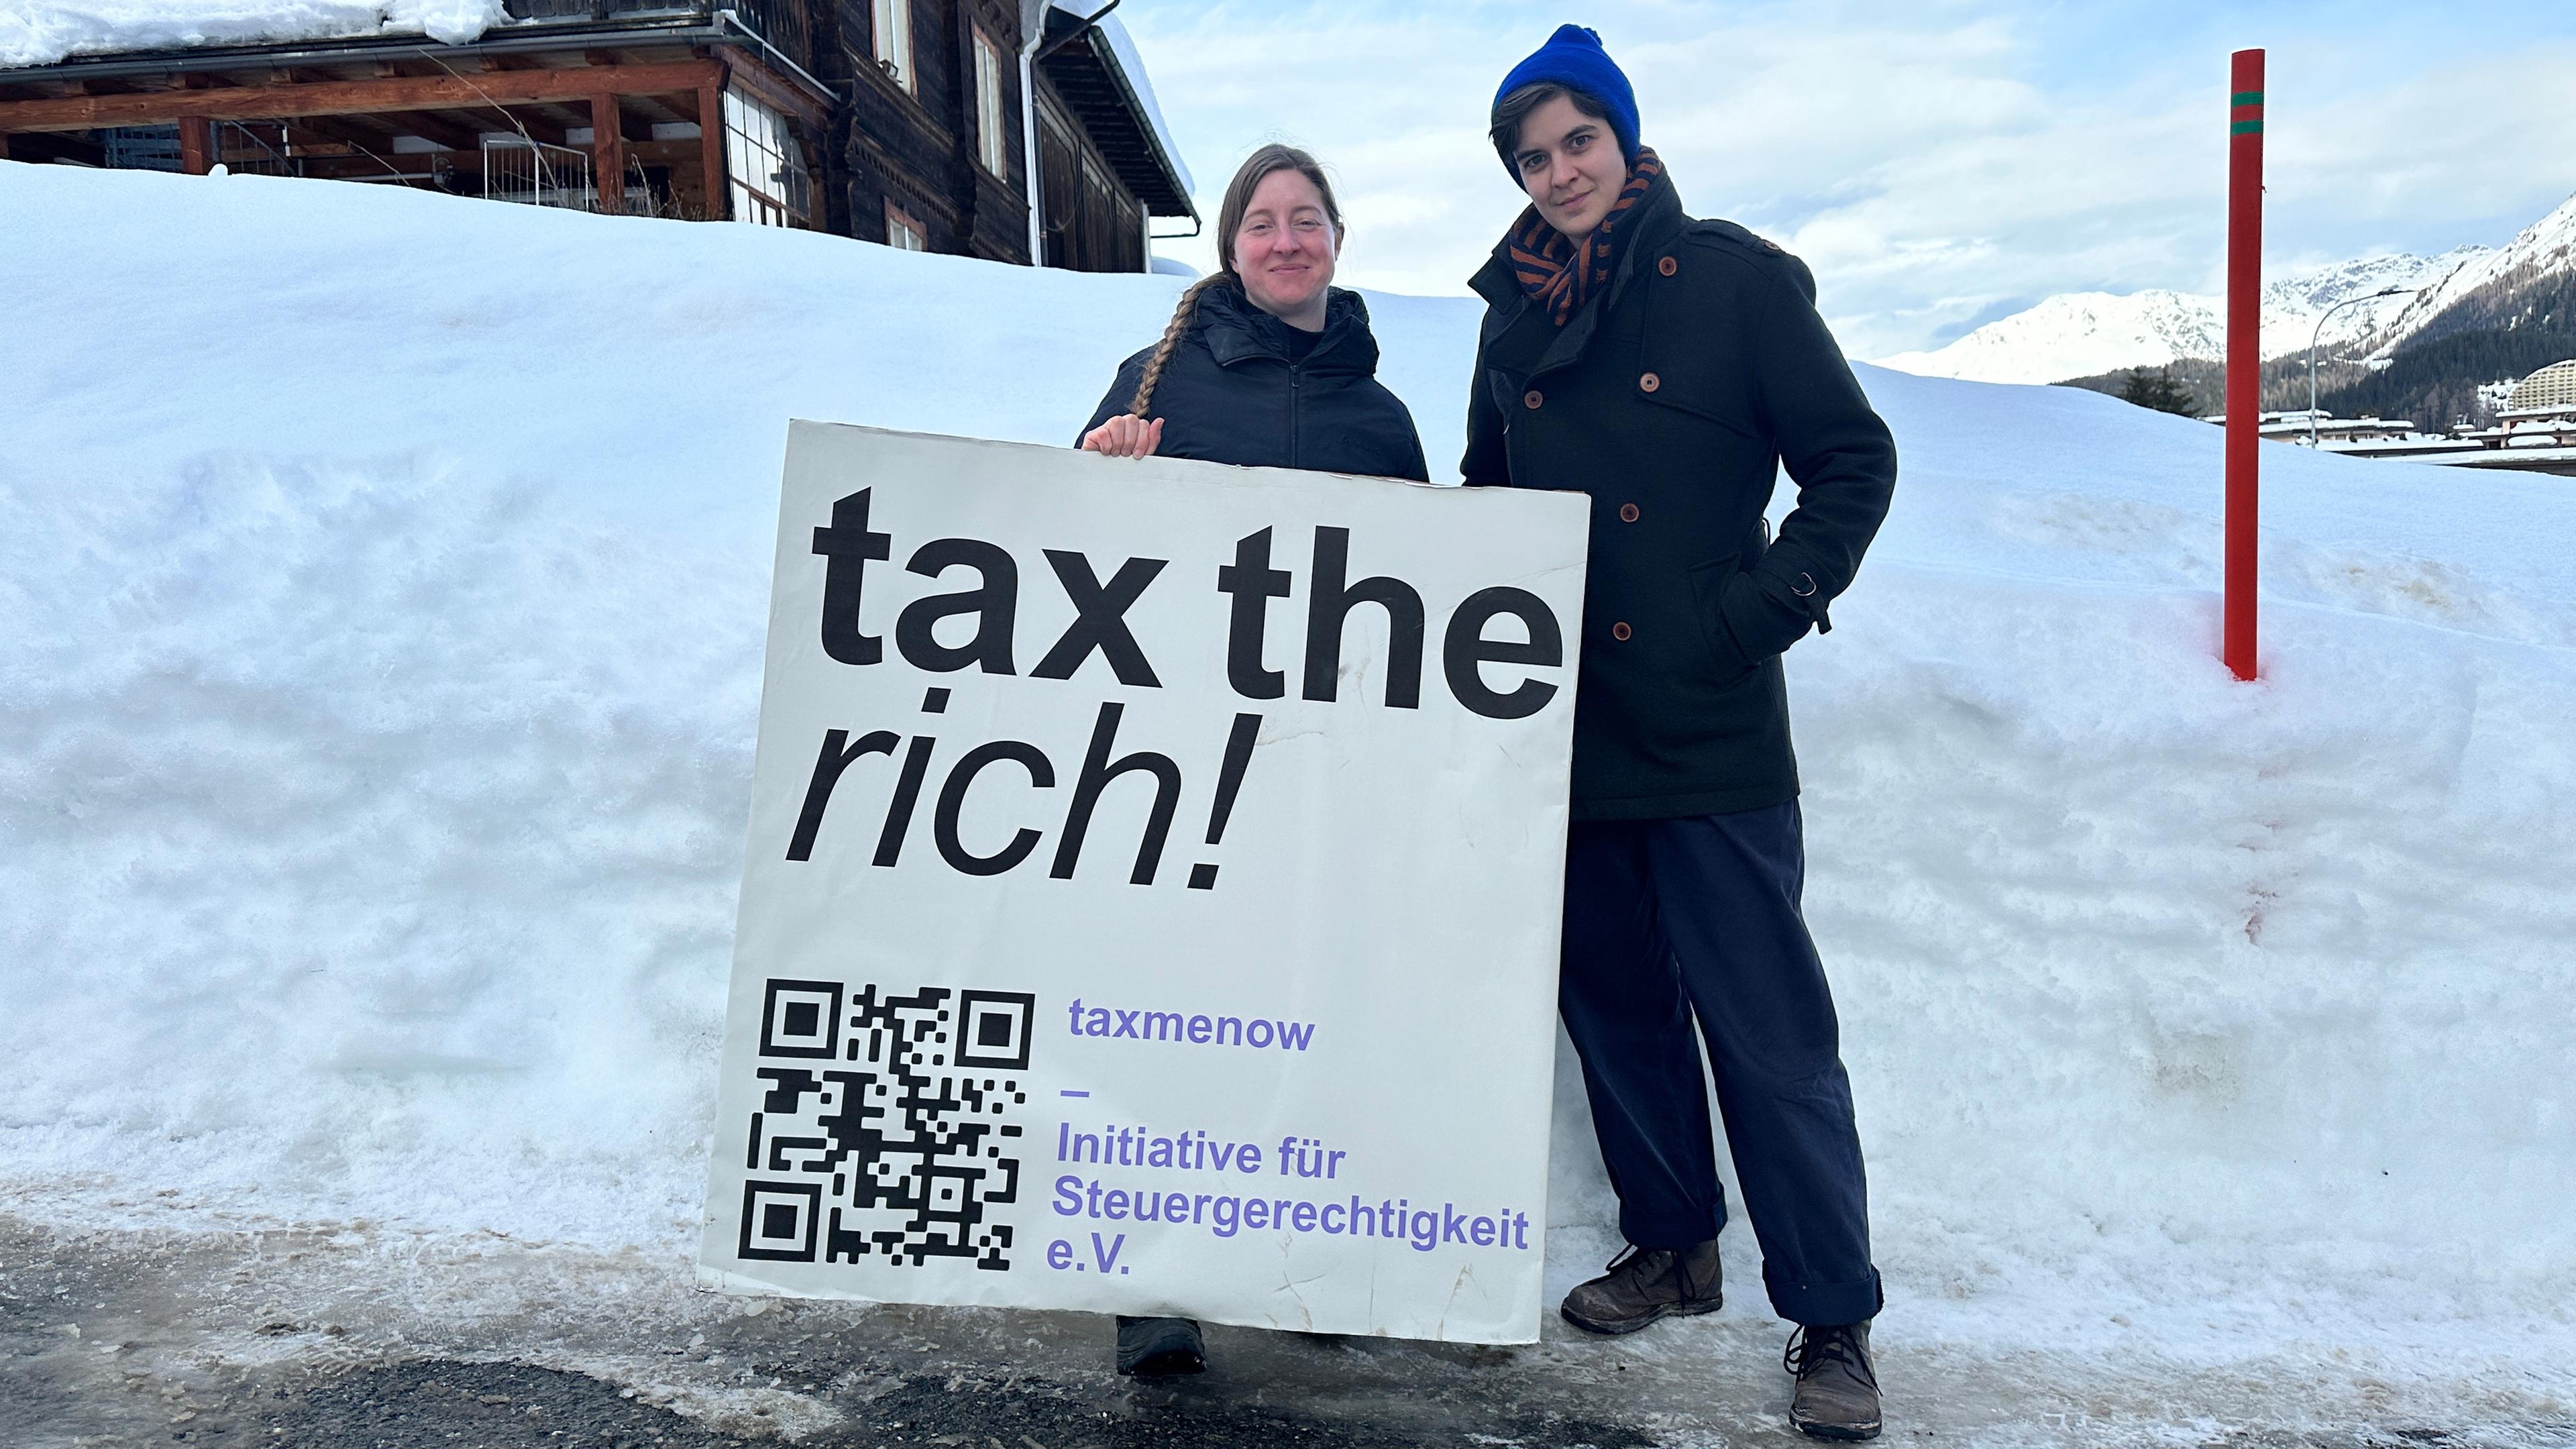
(916, 123)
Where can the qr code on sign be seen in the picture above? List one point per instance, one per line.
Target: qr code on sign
(883, 1125)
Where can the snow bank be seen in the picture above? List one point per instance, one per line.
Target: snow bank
(41, 32)
(375, 731)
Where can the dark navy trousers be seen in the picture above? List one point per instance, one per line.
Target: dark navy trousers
(1667, 920)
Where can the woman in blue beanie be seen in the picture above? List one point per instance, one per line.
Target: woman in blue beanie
(1671, 368)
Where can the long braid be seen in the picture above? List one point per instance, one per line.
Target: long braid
(1179, 324)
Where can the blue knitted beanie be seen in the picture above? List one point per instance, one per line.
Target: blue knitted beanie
(1574, 59)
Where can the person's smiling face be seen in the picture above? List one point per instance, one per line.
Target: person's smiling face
(1570, 165)
(1284, 248)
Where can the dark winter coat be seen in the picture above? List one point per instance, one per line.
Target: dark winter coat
(1674, 399)
(1231, 394)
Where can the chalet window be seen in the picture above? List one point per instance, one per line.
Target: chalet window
(991, 140)
(904, 231)
(770, 184)
(894, 40)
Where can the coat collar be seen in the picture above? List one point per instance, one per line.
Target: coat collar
(1236, 331)
(1659, 218)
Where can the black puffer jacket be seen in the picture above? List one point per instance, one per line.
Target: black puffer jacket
(1231, 394)
(1674, 400)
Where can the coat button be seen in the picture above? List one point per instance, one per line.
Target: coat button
(1668, 266)
(1650, 382)
(1627, 513)
(1531, 399)
(1620, 631)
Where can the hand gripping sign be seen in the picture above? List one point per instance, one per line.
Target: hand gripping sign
(1152, 892)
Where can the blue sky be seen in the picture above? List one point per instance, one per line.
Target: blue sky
(1938, 163)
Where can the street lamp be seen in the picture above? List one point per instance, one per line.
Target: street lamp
(2321, 331)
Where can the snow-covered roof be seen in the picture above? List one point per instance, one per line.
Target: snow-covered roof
(42, 32)
(1131, 67)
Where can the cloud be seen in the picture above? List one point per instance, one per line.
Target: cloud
(1933, 163)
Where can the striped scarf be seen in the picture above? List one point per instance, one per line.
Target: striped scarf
(1559, 275)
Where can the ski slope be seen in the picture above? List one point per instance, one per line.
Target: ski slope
(386, 576)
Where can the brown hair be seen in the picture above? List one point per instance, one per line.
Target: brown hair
(1256, 168)
(1515, 108)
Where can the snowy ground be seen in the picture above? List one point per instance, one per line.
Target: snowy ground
(386, 575)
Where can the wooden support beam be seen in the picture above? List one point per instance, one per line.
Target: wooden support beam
(372, 142)
(539, 127)
(608, 155)
(430, 127)
(711, 149)
(651, 109)
(196, 145)
(343, 98)
(373, 132)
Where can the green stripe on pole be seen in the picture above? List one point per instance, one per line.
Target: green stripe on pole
(2246, 128)
(2246, 98)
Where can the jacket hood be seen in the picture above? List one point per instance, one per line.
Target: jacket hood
(1236, 331)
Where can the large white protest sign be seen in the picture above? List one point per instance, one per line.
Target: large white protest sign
(1152, 893)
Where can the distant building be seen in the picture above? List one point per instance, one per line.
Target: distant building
(2551, 390)
(2299, 425)
(917, 123)
(2534, 431)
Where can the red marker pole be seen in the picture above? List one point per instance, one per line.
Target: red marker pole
(2244, 349)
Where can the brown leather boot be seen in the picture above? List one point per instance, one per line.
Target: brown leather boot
(1837, 1395)
(1645, 1284)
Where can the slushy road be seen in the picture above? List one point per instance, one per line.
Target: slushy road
(363, 1339)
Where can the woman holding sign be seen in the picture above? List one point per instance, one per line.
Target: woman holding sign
(1265, 364)
(1671, 368)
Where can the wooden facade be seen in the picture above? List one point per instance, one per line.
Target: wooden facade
(1100, 161)
(910, 143)
(895, 121)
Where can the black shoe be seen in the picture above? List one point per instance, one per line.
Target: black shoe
(1837, 1394)
(1645, 1284)
(1157, 1347)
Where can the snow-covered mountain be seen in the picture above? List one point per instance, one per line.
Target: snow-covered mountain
(2077, 334)
(2082, 334)
(2085, 334)
(2546, 248)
